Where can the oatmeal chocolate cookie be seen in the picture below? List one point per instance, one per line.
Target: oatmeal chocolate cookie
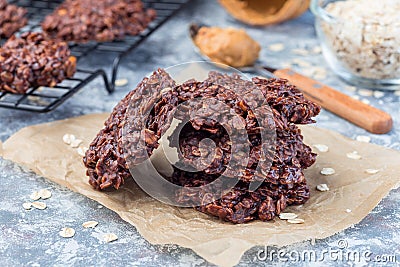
(239, 205)
(283, 183)
(12, 18)
(32, 60)
(98, 20)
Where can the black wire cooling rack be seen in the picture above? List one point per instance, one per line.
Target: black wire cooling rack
(45, 99)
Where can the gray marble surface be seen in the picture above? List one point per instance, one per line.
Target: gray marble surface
(31, 238)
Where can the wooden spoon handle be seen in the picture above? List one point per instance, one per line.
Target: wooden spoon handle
(371, 119)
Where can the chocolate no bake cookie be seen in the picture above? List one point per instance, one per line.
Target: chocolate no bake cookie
(12, 18)
(98, 20)
(33, 60)
(281, 183)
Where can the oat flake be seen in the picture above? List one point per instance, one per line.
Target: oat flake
(365, 92)
(39, 205)
(121, 82)
(353, 155)
(44, 193)
(322, 187)
(27, 205)
(363, 138)
(327, 171)
(348, 210)
(371, 171)
(287, 216)
(110, 237)
(68, 138)
(379, 94)
(76, 143)
(67, 232)
(90, 224)
(35, 195)
(276, 47)
(296, 221)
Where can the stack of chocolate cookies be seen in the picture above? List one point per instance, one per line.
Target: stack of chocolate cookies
(268, 175)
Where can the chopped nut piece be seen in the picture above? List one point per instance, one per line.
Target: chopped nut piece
(276, 47)
(121, 82)
(44, 193)
(379, 94)
(35, 195)
(39, 205)
(82, 151)
(363, 138)
(322, 148)
(76, 143)
(322, 187)
(67, 232)
(287, 216)
(327, 171)
(371, 171)
(90, 224)
(27, 205)
(68, 138)
(296, 221)
(110, 237)
(353, 155)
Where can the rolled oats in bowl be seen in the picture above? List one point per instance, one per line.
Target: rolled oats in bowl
(361, 40)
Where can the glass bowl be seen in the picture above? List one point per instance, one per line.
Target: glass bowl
(360, 40)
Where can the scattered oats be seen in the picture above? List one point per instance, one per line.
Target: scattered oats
(296, 221)
(348, 210)
(317, 49)
(365, 101)
(44, 193)
(67, 232)
(90, 224)
(353, 155)
(27, 205)
(276, 47)
(110, 237)
(322, 187)
(121, 82)
(99, 206)
(82, 151)
(76, 143)
(371, 171)
(300, 52)
(379, 94)
(397, 93)
(363, 138)
(301, 63)
(68, 138)
(39, 205)
(350, 88)
(322, 148)
(365, 92)
(35, 195)
(328, 171)
(287, 216)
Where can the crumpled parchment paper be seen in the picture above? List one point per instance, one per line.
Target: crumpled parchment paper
(41, 149)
